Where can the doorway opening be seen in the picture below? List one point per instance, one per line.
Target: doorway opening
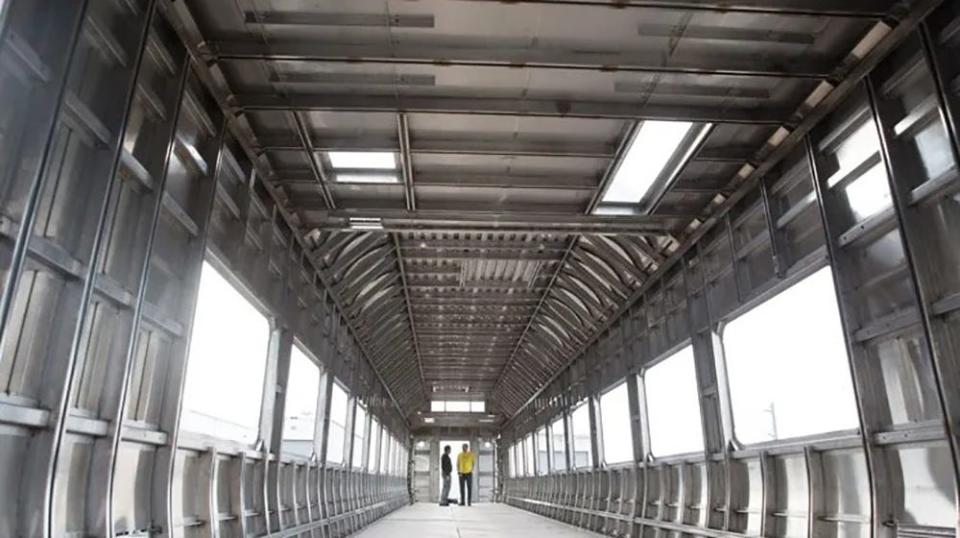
(455, 448)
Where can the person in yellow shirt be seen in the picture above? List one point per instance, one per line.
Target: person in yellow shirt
(465, 463)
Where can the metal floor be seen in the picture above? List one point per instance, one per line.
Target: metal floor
(425, 520)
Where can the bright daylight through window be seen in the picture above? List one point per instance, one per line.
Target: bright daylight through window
(790, 379)
(363, 160)
(385, 452)
(359, 434)
(542, 453)
(229, 342)
(673, 405)
(300, 408)
(528, 457)
(653, 146)
(870, 192)
(615, 422)
(374, 444)
(457, 406)
(557, 431)
(338, 423)
(582, 451)
(364, 166)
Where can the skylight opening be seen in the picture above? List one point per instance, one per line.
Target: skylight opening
(365, 223)
(654, 146)
(367, 178)
(363, 160)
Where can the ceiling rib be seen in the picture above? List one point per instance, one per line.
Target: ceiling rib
(439, 221)
(870, 9)
(406, 296)
(406, 162)
(311, 156)
(447, 146)
(571, 244)
(530, 58)
(500, 106)
(469, 179)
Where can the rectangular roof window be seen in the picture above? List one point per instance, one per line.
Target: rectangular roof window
(655, 145)
(363, 160)
(367, 178)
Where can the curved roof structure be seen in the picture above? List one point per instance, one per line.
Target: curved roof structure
(479, 255)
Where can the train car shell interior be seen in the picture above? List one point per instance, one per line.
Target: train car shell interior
(670, 268)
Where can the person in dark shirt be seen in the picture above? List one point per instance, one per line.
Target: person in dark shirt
(446, 468)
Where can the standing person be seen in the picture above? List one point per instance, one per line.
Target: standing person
(446, 468)
(465, 461)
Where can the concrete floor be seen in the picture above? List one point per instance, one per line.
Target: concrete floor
(482, 520)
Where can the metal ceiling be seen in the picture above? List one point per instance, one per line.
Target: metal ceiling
(507, 119)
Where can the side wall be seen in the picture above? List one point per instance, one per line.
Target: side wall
(119, 175)
(897, 273)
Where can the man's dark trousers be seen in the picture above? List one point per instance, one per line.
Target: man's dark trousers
(466, 486)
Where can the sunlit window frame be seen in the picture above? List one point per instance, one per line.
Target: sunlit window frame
(625, 383)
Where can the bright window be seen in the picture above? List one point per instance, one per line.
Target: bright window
(385, 453)
(787, 365)
(374, 445)
(869, 193)
(300, 408)
(558, 431)
(359, 435)
(457, 406)
(387, 466)
(230, 338)
(542, 466)
(651, 149)
(367, 178)
(369, 160)
(338, 424)
(518, 456)
(673, 405)
(512, 454)
(582, 451)
(529, 456)
(364, 166)
(615, 421)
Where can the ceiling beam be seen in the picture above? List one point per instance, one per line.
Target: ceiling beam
(449, 177)
(481, 244)
(406, 162)
(870, 9)
(483, 221)
(440, 56)
(316, 170)
(545, 147)
(314, 18)
(501, 106)
(406, 296)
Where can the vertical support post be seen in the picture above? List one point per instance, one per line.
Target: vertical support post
(595, 445)
(905, 171)
(272, 414)
(866, 381)
(133, 336)
(636, 426)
